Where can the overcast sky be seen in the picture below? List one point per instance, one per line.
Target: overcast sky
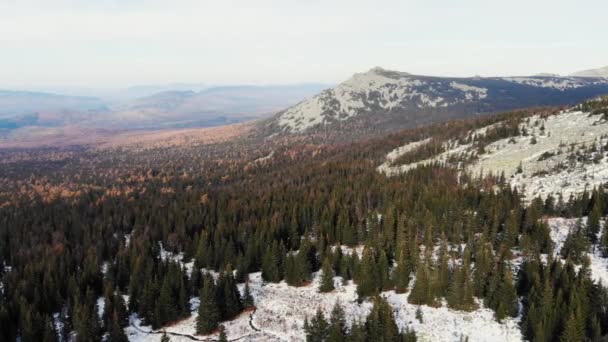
(119, 43)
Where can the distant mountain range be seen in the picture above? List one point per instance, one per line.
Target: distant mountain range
(382, 100)
(171, 108)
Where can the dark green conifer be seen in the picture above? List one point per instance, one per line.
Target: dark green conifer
(208, 310)
(327, 277)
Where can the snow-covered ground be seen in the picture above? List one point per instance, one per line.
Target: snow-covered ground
(281, 310)
(545, 166)
(543, 161)
(548, 82)
(387, 167)
(559, 231)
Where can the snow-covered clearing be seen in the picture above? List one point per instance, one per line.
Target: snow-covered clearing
(281, 310)
(548, 82)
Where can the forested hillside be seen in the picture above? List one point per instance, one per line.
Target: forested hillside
(116, 244)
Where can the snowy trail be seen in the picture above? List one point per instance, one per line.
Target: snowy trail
(262, 331)
(160, 332)
(257, 332)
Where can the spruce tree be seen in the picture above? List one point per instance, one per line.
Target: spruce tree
(337, 324)
(573, 331)
(116, 332)
(327, 277)
(357, 333)
(366, 280)
(208, 310)
(593, 221)
(401, 274)
(422, 292)
(223, 337)
(603, 244)
(271, 264)
(317, 329)
(247, 297)
(380, 322)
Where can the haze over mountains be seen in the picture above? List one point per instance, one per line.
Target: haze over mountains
(30, 114)
(371, 102)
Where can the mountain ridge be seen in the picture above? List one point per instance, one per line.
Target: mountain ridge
(379, 98)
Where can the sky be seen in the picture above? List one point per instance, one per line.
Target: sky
(119, 43)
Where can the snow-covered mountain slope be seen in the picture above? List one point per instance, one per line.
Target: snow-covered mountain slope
(599, 72)
(556, 154)
(398, 99)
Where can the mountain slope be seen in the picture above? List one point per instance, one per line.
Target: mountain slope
(543, 154)
(388, 100)
(600, 72)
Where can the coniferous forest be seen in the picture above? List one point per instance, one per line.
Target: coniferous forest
(83, 226)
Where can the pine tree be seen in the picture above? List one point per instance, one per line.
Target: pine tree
(208, 310)
(327, 277)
